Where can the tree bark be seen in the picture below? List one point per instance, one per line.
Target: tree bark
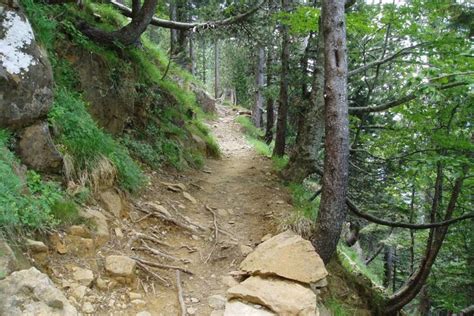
(304, 158)
(332, 211)
(130, 33)
(257, 111)
(387, 266)
(270, 115)
(280, 137)
(217, 78)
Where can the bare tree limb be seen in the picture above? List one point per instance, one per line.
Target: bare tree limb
(402, 100)
(401, 52)
(356, 211)
(194, 25)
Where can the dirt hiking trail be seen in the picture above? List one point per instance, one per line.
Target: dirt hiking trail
(173, 223)
(247, 198)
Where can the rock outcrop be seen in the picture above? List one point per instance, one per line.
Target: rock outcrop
(281, 296)
(30, 292)
(284, 270)
(37, 150)
(26, 78)
(286, 255)
(207, 103)
(8, 262)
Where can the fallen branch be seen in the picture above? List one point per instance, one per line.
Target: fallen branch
(180, 293)
(161, 266)
(159, 253)
(146, 237)
(153, 274)
(216, 229)
(161, 213)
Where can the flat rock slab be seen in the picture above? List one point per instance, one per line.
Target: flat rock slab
(236, 308)
(286, 255)
(30, 292)
(281, 296)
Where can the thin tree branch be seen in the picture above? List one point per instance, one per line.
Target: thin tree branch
(356, 211)
(402, 100)
(401, 52)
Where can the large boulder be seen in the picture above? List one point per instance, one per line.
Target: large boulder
(26, 78)
(281, 296)
(37, 150)
(30, 292)
(286, 255)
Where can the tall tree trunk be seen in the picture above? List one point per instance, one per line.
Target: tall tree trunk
(192, 55)
(217, 79)
(204, 65)
(332, 211)
(257, 110)
(130, 33)
(425, 302)
(280, 137)
(173, 32)
(269, 99)
(387, 266)
(304, 159)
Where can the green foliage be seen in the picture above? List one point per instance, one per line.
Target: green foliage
(249, 128)
(301, 21)
(30, 203)
(354, 264)
(300, 198)
(87, 143)
(337, 307)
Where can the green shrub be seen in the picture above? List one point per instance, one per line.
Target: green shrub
(80, 137)
(30, 203)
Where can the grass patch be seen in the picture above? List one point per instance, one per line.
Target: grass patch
(255, 136)
(352, 262)
(81, 138)
(337, 308)
(29, 203)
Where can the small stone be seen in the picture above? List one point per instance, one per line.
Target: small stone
(138, 302)
(79, 292)
(195, 237)
(88, 308)
(216, 301)
(191, 310)
(134, 296)
(122, 266)
(111, 302)
(231, 222)
(189, 197)
(143, 313)
(245, 250)
(101, 284)
(194, 300)
(118, 233)
(35, 246)
(83, 276)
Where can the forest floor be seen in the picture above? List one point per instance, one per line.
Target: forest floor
(248, 201)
